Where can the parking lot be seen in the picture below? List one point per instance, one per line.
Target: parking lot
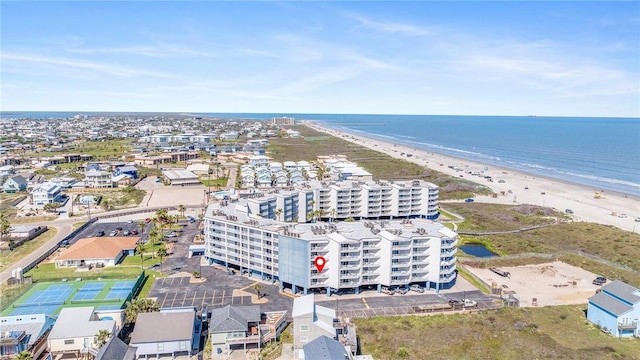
(108, 226)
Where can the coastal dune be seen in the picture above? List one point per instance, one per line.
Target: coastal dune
(516, 187)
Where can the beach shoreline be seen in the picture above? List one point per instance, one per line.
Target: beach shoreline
(513, 186)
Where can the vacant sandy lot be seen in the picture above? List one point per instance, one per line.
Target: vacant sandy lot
(162, 195)
(553, 283)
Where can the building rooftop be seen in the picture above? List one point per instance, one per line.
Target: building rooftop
(324, 347)
(233, 318)
(610, 304)
(164, 326)
(98, 248)
(623, 291)
(76, 322)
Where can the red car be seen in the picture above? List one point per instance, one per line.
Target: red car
(147, 220)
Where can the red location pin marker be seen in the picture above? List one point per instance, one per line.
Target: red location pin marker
(320, 262)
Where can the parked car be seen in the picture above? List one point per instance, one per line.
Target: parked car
(600, 280)
(171, 234)
(400, 290)
(100, 233)
(622, 216)
(637, 219)
(387, 291)
(416, 288)
(470, 303)
(456, 302)
(126, 233)
(64, 243)
(569, 211)
(113, 233)
(147, 220)
(469, 200)
(129, 221)
(134, 232)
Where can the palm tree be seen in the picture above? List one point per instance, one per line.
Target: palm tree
(182, 209)
(25, 355)
(140, 305)
(332, 213)
(101, 338)
(140, 250)
(5, 226)
(153, 236)
(278, 212)
(162, 252)
(257, 287)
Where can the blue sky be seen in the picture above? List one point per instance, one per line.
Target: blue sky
(472, 58)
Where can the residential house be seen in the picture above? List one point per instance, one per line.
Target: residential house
(24, 333)
(229, 136)
(75, 330)
(258, 161)
(130, 170)
(616, 309)
(98, 179)
(15, 184)
(181, 177)
(199, 169)
(295, 177)
(263, 177)
(282, 179)
(116, 349)
(169, 332)
(239, 327)
(275, 166)
(310, 321)
(45, 193)
(97, 251)
(65, 182)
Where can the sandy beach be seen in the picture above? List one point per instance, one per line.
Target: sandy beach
(516, 187)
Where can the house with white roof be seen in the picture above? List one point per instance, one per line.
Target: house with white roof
(181, 177)
(75, 330)
(616, 309)
(263, 176)
(98, 179)
(310, 321)
(45, 193)
(258, 161)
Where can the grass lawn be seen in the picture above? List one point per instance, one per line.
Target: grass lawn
(128, 196)
(101, 150)
(565, 241)
(7, 258)
(313, 143)
(221, 182)
(150, 278)
(560, 332)
(48, 272)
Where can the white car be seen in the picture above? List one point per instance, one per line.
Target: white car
(637, 219)
(622, 216)
(470, 303)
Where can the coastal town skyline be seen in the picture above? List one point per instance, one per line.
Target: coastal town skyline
(536, 58)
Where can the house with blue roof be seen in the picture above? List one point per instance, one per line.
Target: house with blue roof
(24, 333)
(130, 170)
(616, 309)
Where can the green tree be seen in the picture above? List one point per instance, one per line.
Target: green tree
(278, 212)
(140, 250)
(137, 306)
(106, 204)
(5, 226)
(25, 355)
(162, 252)
(258, 288)
(102, 337)
(142, 225)
(181, 210)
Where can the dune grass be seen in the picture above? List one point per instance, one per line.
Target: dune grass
(560, 332)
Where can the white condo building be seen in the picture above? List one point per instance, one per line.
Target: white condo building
(391, 242)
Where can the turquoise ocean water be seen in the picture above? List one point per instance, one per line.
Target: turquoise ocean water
(599, 152)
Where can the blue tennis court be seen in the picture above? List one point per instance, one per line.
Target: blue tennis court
(123, 285)
(85, 295)
(117, 294)
(48, 297)
(93, 287)
(109, 307)
(30, 310)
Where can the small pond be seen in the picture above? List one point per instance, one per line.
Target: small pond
(477, 250)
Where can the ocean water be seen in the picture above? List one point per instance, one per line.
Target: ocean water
(600, 152)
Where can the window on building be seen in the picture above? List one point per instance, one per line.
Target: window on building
(160, 346)
(305, 327)
(183, 345)
(304, 338)
(69, 342)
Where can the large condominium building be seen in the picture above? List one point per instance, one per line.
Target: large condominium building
(269, 236)
(283, 120)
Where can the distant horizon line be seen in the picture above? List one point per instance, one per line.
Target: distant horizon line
(9, 112)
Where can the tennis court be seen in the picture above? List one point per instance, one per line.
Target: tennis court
(50, 298)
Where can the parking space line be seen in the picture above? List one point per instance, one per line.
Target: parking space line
(175, 295)
(185, 299)
(365, 303)
(193, 301)
(248, 286)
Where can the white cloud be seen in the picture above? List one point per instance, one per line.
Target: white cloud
(390, 27)
(165, 51)
(123, 71)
